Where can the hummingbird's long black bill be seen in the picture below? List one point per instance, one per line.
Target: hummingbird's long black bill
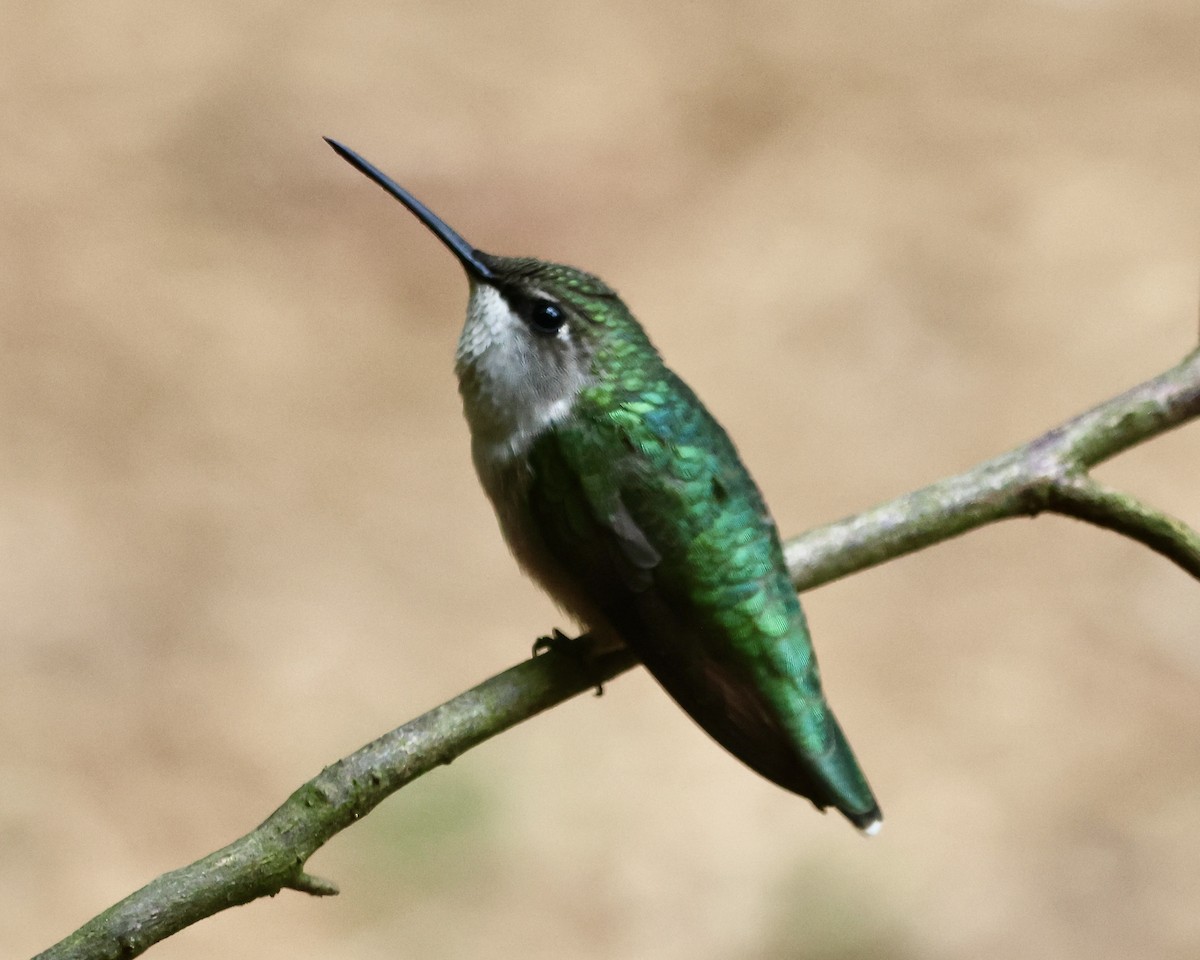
(467, 255)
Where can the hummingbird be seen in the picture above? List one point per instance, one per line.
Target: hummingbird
(620, 494)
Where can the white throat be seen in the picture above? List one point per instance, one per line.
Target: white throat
(515, 383)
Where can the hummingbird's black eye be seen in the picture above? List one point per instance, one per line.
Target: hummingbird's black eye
(545, 316)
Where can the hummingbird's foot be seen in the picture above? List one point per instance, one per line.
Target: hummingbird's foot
(557, 641)
(577, 648)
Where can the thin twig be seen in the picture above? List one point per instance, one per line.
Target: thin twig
(1086, 499)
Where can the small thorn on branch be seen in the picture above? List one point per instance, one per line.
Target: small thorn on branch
(316, 886)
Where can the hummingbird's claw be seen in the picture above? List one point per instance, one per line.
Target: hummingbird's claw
(556, 641)
(581, 653)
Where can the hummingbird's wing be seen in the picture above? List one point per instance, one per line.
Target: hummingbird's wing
(652, 524)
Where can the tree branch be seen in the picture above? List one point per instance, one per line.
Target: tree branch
(272, 856)
(1049, 473)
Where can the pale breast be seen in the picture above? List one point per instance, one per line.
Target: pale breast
(506, 483)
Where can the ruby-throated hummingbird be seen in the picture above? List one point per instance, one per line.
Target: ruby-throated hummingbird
(622, 496)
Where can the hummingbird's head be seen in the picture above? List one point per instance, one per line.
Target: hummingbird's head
(536, 333)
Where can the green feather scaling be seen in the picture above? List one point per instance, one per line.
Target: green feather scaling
(641, 469)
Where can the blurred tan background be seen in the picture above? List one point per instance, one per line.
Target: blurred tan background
(241, 535)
